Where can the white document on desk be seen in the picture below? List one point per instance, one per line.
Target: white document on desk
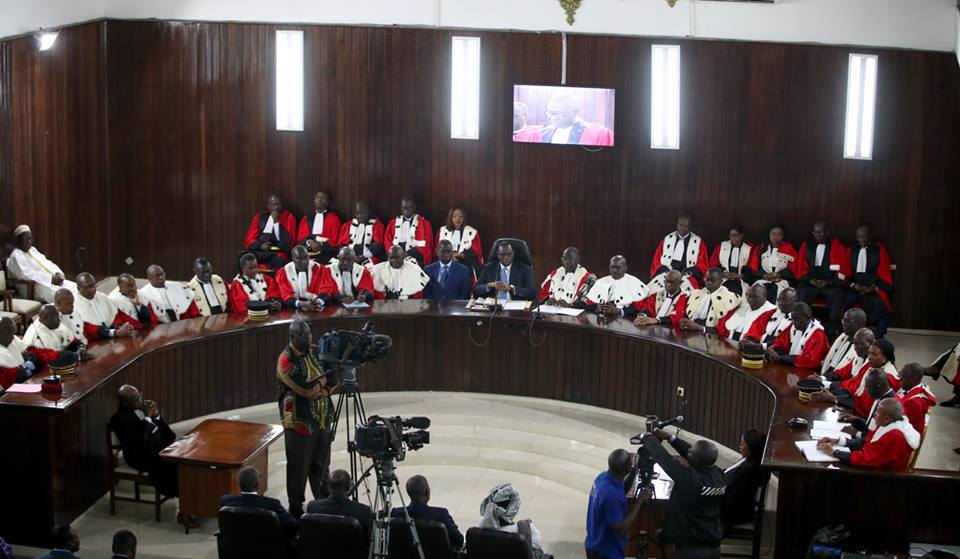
(810, 452)
(819, 425)
(515, 305)
(565, 311)
(817, 434)
(356, 305)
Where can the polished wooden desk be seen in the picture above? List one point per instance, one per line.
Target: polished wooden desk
(209, 457)
(202, 366)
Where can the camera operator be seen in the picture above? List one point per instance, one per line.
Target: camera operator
(692, 523)
(608, 522)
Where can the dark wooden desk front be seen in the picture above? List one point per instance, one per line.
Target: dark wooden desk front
(56, 450)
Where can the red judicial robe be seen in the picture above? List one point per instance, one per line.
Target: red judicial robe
(286, 278)
(862, 402)
(878, 270)
(839, 263)
(353, 234)
(669, 310)
(334, 286)
(888, 447)
(288, 231)
(243, 289)
(11, 360)
(126, 307)
(330, 233)
(421, 236)
(468, 238)
(563, 286)
(581, 133)
(111, 316)
(810, 346)
(694, 257)
(757, 329)
(916, 404)
(786, 263)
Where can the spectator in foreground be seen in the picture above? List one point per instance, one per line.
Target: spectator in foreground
(124, 545)
(65, 542)
(498, 511)
(419, 492)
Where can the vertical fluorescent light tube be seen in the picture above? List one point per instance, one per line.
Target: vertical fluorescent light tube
(665, 97)
(861, 104)
(290, 80)
(465, 88)
(46, 39)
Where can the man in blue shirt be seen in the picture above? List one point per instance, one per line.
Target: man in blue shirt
(448, 279)
(608, 522)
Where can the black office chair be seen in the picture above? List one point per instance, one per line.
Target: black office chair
(521, 252)
(250, 532)
(433, 539)
(322, 533)
(752, 532)
(494, 544)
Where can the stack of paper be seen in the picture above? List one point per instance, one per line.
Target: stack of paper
(810, 452)
(831, 429)
(566, 311)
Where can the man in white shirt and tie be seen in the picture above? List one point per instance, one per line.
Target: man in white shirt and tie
(505, 279)
(28, 263)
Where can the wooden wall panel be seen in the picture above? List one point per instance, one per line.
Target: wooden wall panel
(192, 152)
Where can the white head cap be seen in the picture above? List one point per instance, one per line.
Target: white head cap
(21, 229)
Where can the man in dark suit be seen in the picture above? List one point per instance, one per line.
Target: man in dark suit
(248, 478)
(448, 279)
(419, 492)
(339, 502)
(506, 279)
(65, 542)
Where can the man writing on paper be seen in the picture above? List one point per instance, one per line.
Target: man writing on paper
(567, 285)
(505, 279)
(618, 294)
(887, 447)
(398, 277)
(667, 307)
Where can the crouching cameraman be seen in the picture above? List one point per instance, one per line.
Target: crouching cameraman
(692, 522)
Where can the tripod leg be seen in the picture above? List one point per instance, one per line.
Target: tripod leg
(413, 527)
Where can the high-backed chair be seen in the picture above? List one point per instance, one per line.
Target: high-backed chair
(21, 311)
(321, 533)
(483, 543)
(432, 535)
(753, 531)
(247, 532)
(521, 252)
(119, 471)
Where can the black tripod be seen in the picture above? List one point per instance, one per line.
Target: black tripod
(350, 392)
(386, 483)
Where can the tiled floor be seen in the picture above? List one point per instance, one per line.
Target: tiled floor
(549, 450)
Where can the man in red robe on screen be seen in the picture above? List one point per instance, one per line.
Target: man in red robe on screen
(271, 234)
(364, 234)
(410, 231)
(683, 251)
(871, 281)
(566, 127)
(802, 345)
(320, 231)
(522, 131)
(301, 281)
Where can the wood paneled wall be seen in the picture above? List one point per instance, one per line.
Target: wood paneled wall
(189, 149)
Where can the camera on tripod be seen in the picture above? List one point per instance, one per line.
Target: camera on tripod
(643, 467)
(385, 438)
(352, 349)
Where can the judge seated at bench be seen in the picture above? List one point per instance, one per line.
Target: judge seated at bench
(49, 339)
(271, 234)
(506, 279)
(709, 308)
(449, 279)
(126, 297)
(666, 307)
(617, 295)
(888, 446)
(99, 315)
(567, 285)
(209, 290)
(248, 478)
(16, 363)
(399, 277)
(302, 281)
(170, 300)
(804, 343)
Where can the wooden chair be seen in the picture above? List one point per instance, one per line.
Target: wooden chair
(916, 453)
(120, 471)
(752, 532)
(21, 311)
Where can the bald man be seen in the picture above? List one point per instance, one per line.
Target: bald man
(209, 290)
(567, 285)
(780, 320)
(170, 300)
(683, 251)
(301, 281)
(804, 344)
(608, 519)
(666, 307)
(399, 277)
(48, 338)
(842, 351)
(346, 280)
(411, 232)
(16, 363)
(98, 313)
(65, 302)
(916, 397)
(564, 125)
(619, 294)
(888, 447)
(126, 297)
(710, 308)
(749, 324)
(363, 233)
(271, 234)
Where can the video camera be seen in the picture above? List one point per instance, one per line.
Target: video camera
(383, 438)
(643, 468)
(349, 348)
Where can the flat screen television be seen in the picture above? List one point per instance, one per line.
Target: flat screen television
(551, 114)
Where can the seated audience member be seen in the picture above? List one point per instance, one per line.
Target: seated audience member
(947, 365)
(465, 239)
(499, 510)
(251, 285)
(126, 297)
(143, 434)
(320, 230)
(733, 256)
(750, 327)
(302, 281)
(16, 363)
(842, 350)
(709, 308)
(566, 127)
(100, 317)
(271, 234)
(822, 267)
(682, 251)
(618, 294)
(28, 263)
(667, 307)
(505, 279)
(339, 502)
(124, 545)
(48, 338)
(248, 478)
(209, 290)
(567, 286)
(871, 283)
(608, 519)
(419, 492)
(780, 319)
(775, 264)
(398, 277)
(448, 279)
(744, 478)
(347, 281)
(803, 344)
(65, 542)
(888, 446)
(364, 233)
(916, 397)
(170, 300)
(411, 232)
(65, 302)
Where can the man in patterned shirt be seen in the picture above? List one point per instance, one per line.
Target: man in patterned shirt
(305, 411)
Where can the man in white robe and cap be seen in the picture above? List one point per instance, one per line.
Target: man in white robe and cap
(28, 263)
